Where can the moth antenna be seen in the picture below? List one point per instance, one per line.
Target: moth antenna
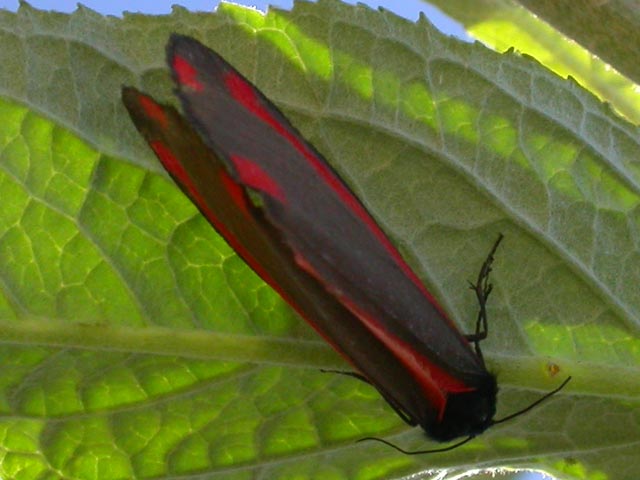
(534, 404)
(418, 452)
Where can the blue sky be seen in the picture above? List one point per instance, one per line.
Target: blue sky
(406, 8)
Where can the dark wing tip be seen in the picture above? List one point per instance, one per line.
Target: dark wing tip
(129, 94)
(149, 116)
(195, 52)
(185, 46)
(132, 98)
(177, 41)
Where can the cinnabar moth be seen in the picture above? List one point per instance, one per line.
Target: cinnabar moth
(312, 240)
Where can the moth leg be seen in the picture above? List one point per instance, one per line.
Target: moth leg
(357, 375)
(403, 416)
(399, 411)
(483, 288)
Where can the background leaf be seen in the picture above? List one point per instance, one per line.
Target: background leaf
(591, 41)
(135, 344)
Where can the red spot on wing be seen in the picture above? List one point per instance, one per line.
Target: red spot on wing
(187, 75)
(247, 95)
(253, 176)
(154, 111)
(236, 192)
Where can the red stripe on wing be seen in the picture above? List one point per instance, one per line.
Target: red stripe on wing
(154, 111)
(187, 74)
(253, 176)
(247, 96)
(436, 383)
(236, 193)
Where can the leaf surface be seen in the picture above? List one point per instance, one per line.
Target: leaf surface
(135, 344)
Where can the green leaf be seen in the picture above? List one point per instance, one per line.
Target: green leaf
(135, 344)
(598, 26)
(579, 47)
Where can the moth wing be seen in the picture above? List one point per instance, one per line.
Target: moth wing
(203, 177)
(332, 235)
